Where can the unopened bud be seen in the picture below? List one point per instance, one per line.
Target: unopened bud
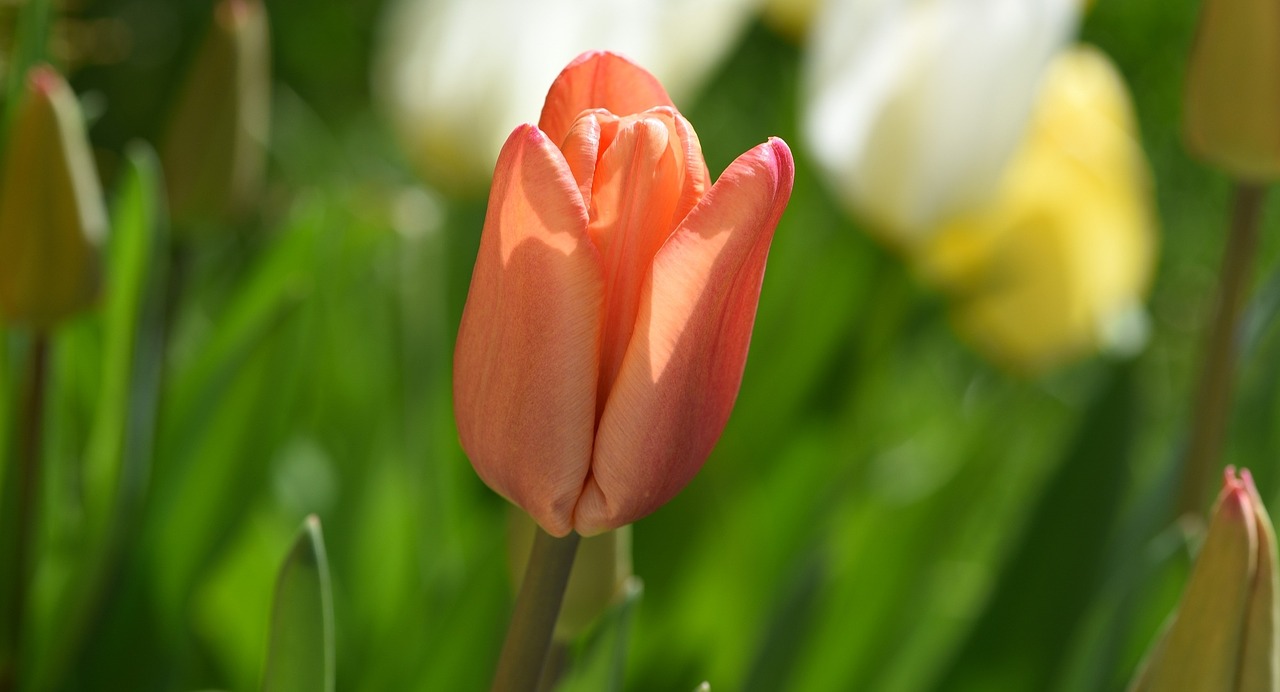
(1223, 635)
(1232, 110)
(598, 580)
(214, 152)
(52, 217)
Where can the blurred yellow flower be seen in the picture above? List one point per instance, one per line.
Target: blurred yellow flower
(1232, 108)
(1056, 264)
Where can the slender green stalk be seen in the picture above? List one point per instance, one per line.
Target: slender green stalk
(1212, 405)
(28, 490)
(524, 652)
(553, 669)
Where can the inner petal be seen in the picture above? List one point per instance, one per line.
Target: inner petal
(638, 184)
(581, 148)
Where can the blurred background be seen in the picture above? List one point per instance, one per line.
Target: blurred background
(933, 479)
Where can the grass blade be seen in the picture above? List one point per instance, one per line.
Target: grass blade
(300, 648)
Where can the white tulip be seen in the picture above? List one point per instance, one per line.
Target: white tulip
(912, 108)
(458, 75)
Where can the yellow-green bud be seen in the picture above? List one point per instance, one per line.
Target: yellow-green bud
(52, 217)
(1223, 635)
(598, 580)
(1232, 110)
(214, 152)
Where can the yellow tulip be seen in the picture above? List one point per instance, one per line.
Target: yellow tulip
(1232, 99)
(1057, 263)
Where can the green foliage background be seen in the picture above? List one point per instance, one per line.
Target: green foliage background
(885, 510)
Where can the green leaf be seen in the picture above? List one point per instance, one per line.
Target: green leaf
(31, 47)
(1020, 641)
(6, 408)
(600, 665)
(119, 453)
(227, 406)
(133, 334)
(300, 649)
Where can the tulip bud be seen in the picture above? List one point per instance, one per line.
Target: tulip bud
(52, 217)
(612, 302)
(214, 152)
(1223, 635)
(598, 580)
(1057, 262)
(1231, 113)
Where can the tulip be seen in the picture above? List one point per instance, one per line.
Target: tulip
(455, 76)
(611, 307)
(215, 150)
(912, 108)
(1232, 102)
(52, 216)
(1056, 264)
(1223, 635)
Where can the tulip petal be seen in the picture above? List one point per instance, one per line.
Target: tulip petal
(682, 369)
(638, 184)
(52, 218)
(524, 378)
(1260, 659)
(696, 177)
(599, 79)
(581, 148)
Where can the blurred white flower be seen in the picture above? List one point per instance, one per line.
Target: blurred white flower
(1056, 263)
(913, 107)
(456, 76)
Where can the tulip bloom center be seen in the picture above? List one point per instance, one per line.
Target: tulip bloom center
(612, 302)
(639, 176)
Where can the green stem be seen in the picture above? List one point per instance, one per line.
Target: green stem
(553, 669)
(1212, 405)
(524, 652)
(28, 490)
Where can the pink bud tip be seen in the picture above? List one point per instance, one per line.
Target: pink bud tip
(1230, 481)
(43, 79)
(1247, 478)
(232, 13)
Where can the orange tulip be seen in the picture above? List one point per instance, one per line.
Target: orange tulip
(612, 302)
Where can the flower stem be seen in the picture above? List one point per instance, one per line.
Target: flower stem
(1212, 405)
(524, 652)
(28, 489)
